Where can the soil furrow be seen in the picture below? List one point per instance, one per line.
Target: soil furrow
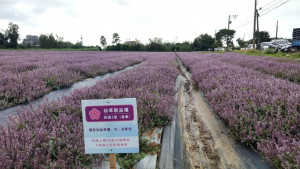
(206, 140)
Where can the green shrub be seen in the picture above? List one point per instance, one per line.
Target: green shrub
(252, 51)
(268, 51)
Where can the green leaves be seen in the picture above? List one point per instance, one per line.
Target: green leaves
(204, 42)
(225, 35)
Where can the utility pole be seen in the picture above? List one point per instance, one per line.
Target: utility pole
(228, 29)
(258, 40)
(254, 24)
(229, 22)
(276, 29)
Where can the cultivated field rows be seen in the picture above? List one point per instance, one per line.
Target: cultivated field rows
(27, 75)
(52, 134)
(261, 110)
(257, 97)
(281, 68)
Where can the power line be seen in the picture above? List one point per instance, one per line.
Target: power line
(269, 4)
(275, 8)
(244, 24)
(247, 21)
(272, 6)
(251, 17)
(266, 11)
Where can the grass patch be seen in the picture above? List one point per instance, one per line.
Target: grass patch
(269, 52)
(129, 160)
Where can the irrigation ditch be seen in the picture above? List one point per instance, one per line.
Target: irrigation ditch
(56, 94)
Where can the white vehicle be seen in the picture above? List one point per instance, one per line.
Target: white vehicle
(279, 43)
(251, 46)
(265, 45)
(220, 49)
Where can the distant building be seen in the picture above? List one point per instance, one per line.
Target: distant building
(130, 42)
(31, 40)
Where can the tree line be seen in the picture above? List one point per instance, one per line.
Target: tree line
(262, 36)
(9, 38)
(51, 42)
(204, 42)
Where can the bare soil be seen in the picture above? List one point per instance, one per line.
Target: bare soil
(206, 139)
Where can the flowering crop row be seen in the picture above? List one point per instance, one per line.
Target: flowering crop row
(25, 75)
(259, 109)
(51, 135)
(281, 68)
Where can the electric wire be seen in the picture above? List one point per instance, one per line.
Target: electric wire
(280, 2)
(268, 4)
(274, 8)
(250, 18)
(266, 11)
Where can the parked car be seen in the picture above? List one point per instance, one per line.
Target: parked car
(279, 43)
(251, 46)
(285, 49)
(220, 49)
(264, 45)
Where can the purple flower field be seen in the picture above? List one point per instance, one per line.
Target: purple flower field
(51, 135)
(281, 68)
(256, 96)
(26, 75)
(260, 109)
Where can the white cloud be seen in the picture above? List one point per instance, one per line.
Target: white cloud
(142, 19)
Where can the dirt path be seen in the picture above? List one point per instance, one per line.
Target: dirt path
(207, 144)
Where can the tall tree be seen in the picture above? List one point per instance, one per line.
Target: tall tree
(156, 44)
(52, 41)
(3, 40)
(225, 35)
(12, 35)
(203, 42)
(43, 41)
(263, 36)
(47, 41)
(241, 43)
(185, 46)
(116, 39)
(103, 42)
(59, 42)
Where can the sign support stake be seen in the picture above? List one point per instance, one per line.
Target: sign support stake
(112, 161)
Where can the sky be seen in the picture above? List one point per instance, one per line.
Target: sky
(171, 20)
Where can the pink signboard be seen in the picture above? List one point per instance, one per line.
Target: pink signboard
(109, 113)
(110, 126)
